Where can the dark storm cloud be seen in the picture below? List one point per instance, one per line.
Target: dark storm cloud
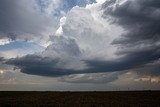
(45, 66)
(2, 59)
(140, 17)
(130, 61)
(10, 18)
(36, 65)
(21, 19)
(141, 20)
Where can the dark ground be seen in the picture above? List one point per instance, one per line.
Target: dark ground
(80, 99)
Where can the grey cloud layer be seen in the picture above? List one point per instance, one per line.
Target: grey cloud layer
(140, 17)
(141, 20)
(22, 19)
(82, 49)
(46, 66)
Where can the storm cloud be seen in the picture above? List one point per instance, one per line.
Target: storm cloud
(38, 65)
(87, 45)
(23, 20)
(140, 20)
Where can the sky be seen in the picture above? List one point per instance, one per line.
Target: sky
(79, 45)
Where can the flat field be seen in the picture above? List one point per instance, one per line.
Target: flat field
(80, 99)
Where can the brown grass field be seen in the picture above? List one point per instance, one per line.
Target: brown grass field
(80, 99)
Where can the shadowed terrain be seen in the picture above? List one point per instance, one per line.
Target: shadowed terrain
(80, 99)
